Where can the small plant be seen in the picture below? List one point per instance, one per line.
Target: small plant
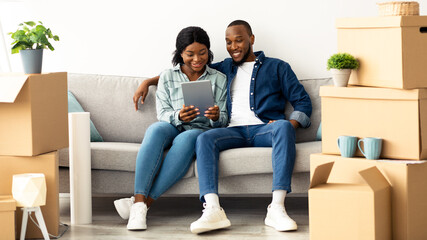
(342, 61)
(32, 36)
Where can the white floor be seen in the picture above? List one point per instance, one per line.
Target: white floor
(170, 218)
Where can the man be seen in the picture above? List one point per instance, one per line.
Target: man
(258, 88)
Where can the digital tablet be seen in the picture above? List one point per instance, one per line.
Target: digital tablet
(199, 94)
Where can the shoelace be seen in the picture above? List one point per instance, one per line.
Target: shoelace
(136, 213)
(206, 211)
(282, 211)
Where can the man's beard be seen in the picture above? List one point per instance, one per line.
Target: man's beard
(245, 57)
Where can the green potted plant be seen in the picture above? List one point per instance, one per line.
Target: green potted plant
(341, 65)
(30, 39)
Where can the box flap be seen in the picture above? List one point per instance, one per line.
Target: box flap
(321, 174)
(372, 93)
(374, 178)
(7, 203)
(10, 86)
(382, 22)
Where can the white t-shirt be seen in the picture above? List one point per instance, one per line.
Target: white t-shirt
(241, 114)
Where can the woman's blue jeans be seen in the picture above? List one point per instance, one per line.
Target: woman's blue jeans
(280, 135)
(155, 175)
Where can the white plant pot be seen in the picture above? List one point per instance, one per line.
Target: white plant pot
(340, 77)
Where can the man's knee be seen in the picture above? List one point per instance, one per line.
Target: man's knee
(204, 139)
(283, 126)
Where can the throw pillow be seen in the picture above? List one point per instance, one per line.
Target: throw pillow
(74, 106)
(319, 133)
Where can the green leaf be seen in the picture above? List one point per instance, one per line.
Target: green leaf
(50, 47)
(49, 33)
(18, 47)
(40, 29)
(56, 38)
(30, 23)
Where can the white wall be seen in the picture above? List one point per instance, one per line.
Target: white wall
(137, 38)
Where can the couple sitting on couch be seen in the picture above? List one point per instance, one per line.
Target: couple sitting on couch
(254, 98)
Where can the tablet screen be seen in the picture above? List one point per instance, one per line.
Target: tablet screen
(199, 94)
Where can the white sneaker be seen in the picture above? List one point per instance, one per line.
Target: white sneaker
(123, 206)
(279, 219)
(138, 217)
(212, 218)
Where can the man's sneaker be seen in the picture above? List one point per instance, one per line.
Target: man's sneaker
(212, 218)
(123, 206)
(279, 219)
(138, 217)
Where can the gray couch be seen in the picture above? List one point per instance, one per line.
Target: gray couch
(243, 171)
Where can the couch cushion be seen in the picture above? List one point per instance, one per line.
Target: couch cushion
(74, 106)
(112, 156)
(312, 87)
(109, 100)
(243, 161)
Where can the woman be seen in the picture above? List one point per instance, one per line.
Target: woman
(178, 125)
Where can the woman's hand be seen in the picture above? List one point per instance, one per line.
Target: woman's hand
(142, 92)
(212, 113)
(187, 114)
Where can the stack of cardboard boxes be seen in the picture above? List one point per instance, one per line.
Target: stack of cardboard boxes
(33, 126)
(387, 99)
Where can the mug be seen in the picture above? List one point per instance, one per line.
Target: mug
(372, 147)
(347, 145)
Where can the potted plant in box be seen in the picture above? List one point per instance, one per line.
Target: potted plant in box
(30, 39)
(341, 65)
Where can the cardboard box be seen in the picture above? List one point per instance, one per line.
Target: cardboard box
(408, 195)
(392, 50)
(47, 164)
(349, 211)
(397, 116)
(7, 217)
(33, 113)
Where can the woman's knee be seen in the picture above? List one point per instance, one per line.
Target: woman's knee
(159, 128)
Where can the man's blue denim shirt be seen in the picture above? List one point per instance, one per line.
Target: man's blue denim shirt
(273, 83)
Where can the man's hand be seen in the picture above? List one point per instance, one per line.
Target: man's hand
(212, 113)
(142, 90)
(187, 114)
(294, 123)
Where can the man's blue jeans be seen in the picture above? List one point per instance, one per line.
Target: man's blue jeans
(153, 175)
(279, 135)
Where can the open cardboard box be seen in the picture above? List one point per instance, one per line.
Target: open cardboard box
(7, 217)
(46, 164)
(397, 116)
(349, 211)
(408, 195)
(392, 51)
(33, 113)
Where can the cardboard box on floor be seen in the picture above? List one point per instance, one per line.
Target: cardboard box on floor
(397, 116)
(349, 211)
(392, 50)
(34, 113)
(47, 164)
(408, 194)
(7, 217)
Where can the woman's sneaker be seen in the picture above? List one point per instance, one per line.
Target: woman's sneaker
(279, 219)
(138, 217)
(212, 218)
(123, 206)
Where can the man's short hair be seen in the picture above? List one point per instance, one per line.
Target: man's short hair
(244, 23)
